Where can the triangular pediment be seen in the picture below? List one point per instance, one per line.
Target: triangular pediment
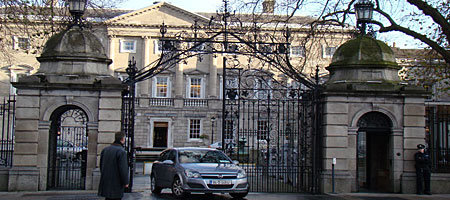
(195, 71)
(156, 14)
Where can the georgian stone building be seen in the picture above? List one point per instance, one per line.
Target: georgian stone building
(176, 106)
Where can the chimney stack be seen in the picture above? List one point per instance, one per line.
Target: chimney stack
(269, 6)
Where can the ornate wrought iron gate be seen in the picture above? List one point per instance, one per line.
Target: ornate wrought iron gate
(68, 146)
(272, 129)
(127, 125)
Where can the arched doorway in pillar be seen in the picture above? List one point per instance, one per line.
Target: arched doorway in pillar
(373, 153)
(68, 146)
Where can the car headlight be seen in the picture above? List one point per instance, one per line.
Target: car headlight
(241, 174)
(192, 174)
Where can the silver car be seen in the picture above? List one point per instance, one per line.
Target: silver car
(202, 170)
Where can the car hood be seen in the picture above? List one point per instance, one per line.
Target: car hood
(212, 167)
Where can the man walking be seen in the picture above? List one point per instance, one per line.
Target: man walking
(113, 169)
(423, 170)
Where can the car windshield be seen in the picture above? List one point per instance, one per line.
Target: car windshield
(202, 156)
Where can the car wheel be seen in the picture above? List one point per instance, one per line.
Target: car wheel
(154, 188)
(177, 188)
(239, 195)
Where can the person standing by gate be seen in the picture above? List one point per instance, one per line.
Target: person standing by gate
(113, 169)
(423, 170)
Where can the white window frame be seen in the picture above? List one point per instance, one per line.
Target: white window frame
(157, 46)
(199, 139)
(324, 51)
(122, 46)
(155, 87)
(298, 51)
(16, 43)
(202, 87)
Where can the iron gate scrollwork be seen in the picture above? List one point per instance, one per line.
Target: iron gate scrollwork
(271, 128)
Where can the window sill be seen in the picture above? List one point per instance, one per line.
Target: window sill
(195, 140)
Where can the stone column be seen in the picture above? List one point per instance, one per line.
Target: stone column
(213, 78)
(146, 61)
(24, 175)
(179, 86)
(108, 124)
(336, 145)
(414, 133)
(44, 128)
(144, 85)
(92, 155)
(112, 49)
(396, 158)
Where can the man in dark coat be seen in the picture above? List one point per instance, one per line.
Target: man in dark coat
(113, 169)
(423, 170)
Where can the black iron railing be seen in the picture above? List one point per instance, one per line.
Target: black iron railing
(7, 113)
(437, 135)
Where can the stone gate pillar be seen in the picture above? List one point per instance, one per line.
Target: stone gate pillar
(372, 121)
(73, 73)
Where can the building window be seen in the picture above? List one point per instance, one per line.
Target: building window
(161, 87)
(328, 52)
(24, 43)
(169, 46)
(263, 129)
(298, 51)
(21, 43)
(128, 46)
(194, 128)
(265, 48)
(195, 89)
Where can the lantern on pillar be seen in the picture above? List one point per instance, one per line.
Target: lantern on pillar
(76, 9)
(364, 12)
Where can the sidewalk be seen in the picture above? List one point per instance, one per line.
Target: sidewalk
(141, 190)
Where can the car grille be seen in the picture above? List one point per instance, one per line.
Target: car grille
(195, 185)
(220, 186)
(216, 176)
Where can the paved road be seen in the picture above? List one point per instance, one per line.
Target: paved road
(166, 195)
(142, 191)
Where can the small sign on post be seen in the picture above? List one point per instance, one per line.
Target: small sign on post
(332, 175)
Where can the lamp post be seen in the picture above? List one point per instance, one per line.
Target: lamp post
(364, 11)
(76, 9)
(213, 120)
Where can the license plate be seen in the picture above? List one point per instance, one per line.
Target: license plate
(220, 182)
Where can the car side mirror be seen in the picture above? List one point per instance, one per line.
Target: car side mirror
(168, 162)
(235, 162)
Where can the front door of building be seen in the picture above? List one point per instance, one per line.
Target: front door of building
(160, 131)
